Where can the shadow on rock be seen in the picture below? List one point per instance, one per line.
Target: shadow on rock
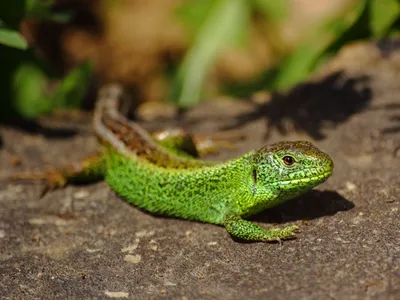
(388, 46)
(395, 128)
(310, 106)
(312, 205)
(394, 119)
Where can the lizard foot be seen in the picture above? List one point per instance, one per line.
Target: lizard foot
(53, 179)
(249, 231)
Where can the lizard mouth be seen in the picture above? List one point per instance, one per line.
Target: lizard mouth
(313, 179)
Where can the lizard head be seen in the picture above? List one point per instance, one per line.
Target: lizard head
(287, 169)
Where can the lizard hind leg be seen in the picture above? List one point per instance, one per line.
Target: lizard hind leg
(177, 141)
(89, 169)
(181, 142)
(248, 231)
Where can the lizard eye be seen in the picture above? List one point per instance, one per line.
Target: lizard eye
(288, 160)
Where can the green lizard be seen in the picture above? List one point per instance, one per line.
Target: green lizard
(161, 181)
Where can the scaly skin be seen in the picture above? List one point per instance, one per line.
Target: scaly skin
(163, 182)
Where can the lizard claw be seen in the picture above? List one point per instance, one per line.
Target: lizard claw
(54, 179)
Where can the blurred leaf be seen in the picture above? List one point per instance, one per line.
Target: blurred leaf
(337, 26)
(12, 38)
(383, 14)
(273, 9)
(29, 83)
(312, 51)
(225, 25)
(38, 5)
(73, 87)
(42, 10)
(297, 66)
(194, 13)
(31, 97)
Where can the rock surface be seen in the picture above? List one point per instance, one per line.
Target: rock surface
(84, 242)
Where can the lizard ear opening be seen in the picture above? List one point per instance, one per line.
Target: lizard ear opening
(253, 187)
(255, 176)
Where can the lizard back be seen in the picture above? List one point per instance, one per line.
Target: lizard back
(116, 131)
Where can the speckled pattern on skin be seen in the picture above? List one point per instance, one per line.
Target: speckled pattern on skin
(162, 182)
(113, 129)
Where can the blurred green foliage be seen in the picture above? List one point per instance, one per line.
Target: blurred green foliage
(26, 80)
(27, 83)
(218, 24)
(12, 38)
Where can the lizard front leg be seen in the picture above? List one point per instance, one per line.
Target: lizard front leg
(246, 230)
